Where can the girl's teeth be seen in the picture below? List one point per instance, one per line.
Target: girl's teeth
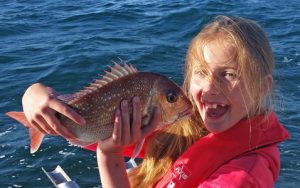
(214, 106)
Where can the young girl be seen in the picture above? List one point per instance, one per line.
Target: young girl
(229, 141)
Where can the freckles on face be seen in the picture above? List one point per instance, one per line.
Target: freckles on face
(220, 95)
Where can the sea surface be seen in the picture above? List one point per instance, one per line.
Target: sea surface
(66, 44)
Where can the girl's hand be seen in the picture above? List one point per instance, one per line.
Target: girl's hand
(124, 133)
(109, 152)
(40, 104)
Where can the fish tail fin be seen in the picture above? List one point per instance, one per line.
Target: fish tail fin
(36, 137)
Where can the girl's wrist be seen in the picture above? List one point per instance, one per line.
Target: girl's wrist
(112, 168)
(109, 152)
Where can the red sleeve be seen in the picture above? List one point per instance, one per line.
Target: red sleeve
(126, 153)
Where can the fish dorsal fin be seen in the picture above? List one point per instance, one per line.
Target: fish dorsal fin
(116, 72)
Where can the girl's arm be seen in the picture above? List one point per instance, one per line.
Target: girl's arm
(109, 152)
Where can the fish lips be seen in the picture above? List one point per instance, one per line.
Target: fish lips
(179, 116)
(186, 112)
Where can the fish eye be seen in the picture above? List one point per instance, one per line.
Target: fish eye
(172, 97)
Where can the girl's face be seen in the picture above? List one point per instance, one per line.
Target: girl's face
(217, 90)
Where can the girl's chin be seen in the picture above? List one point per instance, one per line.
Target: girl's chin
(213, 127)
(215, 124)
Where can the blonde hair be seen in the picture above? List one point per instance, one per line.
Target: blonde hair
(252, 52)
(255, 59)
(164, 148)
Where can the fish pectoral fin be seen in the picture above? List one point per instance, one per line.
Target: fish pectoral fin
(36, 138)
(131, 163)
(78, 142)
(146, 119)
(20, 117)
(137, 149)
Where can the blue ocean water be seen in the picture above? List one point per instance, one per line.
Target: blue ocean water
(66, 44)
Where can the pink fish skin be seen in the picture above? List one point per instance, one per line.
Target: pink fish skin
(98, 102)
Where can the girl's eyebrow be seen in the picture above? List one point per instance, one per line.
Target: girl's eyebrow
(225, 65)
(231, 65)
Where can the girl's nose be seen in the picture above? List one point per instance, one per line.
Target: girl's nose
(210, 86)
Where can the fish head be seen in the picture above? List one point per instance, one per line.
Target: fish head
(171, 100)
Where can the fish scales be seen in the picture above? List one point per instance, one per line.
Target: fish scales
(99, 106)
(98, 102)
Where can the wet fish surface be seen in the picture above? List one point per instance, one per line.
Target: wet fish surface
(98, 102)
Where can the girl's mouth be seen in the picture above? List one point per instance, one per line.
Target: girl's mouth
(215, 110)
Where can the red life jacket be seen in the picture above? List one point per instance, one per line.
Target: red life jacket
(215, 149)
(212, 151)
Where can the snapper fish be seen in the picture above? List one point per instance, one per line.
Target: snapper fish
(98, 102)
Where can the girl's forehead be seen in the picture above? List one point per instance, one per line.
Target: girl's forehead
(218, 54)
(215, 52)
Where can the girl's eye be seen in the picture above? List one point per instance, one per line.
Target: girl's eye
(231, 76)
(201, 73)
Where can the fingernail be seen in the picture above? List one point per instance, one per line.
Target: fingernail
(117, 115)
(136, 99)
(124, 103)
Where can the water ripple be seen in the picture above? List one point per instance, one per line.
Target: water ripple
(66, 45)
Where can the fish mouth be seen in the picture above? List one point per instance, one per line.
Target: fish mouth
(184, 113)
(179, 116)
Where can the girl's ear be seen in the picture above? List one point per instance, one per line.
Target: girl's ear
(268, 83)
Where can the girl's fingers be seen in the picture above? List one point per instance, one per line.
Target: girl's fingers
(66, 111)
(137, 120)
(125, 122)
(42, 125)
(117, 131)
(125, 132)
(40, 105)
(154, 123)
(113, 144)
(37, 126)
(56, 125)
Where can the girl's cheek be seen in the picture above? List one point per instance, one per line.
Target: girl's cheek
(195, 88)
